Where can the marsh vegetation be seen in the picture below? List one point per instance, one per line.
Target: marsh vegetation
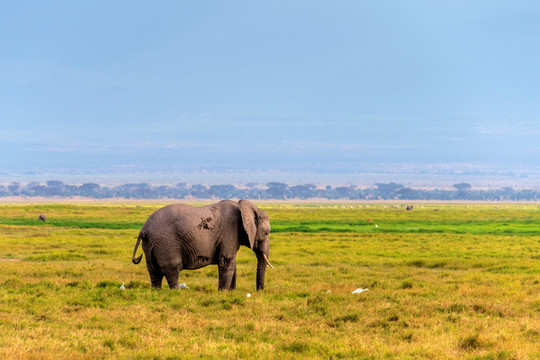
(459, 282)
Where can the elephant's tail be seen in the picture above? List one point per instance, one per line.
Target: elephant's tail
(133, 258)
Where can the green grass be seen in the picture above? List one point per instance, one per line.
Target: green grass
(517, 227)
(459, 282)
(481, 220)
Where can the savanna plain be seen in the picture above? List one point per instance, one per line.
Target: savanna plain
(446, 281)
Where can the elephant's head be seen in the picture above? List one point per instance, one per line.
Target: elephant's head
(256, 224)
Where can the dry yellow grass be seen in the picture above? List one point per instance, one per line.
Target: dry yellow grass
(457, 284)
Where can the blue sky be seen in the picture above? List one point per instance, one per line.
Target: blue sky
(313, 86)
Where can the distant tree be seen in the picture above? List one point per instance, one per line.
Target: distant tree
(199, 191)
(343, 192)
(182, 185)
(223, 191)
(89, 187)
(463, 191)
(69, 190)
(462, 186)
(136, 191)
(55, 184)
(408, 194)
(302, 191)
(527, 195)
(179, 191)
(32, 185)
(143, 191)
(251, 185)
(388, 191)
(252, 192)
(14, 188)
(509, 194)
(32, 189)
(276, 190)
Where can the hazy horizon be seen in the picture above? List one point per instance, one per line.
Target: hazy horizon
(414, 180)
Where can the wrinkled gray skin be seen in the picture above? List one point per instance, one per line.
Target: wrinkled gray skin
(43, 217)
(179, 237)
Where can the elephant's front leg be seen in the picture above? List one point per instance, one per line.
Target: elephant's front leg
(233, 282)
(227, 273)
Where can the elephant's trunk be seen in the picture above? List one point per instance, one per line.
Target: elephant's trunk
(261, 270)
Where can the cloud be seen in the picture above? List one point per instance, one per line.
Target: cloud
(494, 130)
(509, 127)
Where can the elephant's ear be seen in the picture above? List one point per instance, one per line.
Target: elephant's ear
(249, 218)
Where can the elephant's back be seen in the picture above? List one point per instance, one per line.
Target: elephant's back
(177, 218)
(167, 215)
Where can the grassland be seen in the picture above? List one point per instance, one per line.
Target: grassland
(445, 281)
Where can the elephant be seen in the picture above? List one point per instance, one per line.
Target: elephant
(180, 236)
(43, 217)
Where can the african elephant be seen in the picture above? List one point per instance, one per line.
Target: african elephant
(178, 237)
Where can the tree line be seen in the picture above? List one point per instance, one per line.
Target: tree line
(269, 191)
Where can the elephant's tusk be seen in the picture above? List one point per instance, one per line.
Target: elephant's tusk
(266, 259)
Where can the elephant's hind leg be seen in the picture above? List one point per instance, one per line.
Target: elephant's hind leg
(156, 279)
(171, 270)
(156, 276)
(171, 274)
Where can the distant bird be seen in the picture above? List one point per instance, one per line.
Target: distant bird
(377, 226)
(248, 295)
(358, 291)
(122, 287)
(43, 217)
(183, 286)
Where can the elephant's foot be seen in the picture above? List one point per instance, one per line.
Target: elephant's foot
(171, 274)
(156, 282)
(173, 283)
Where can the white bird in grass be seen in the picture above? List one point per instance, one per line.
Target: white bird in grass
(377, 226)
(358, 291)
(183, 286)
(122, 287)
